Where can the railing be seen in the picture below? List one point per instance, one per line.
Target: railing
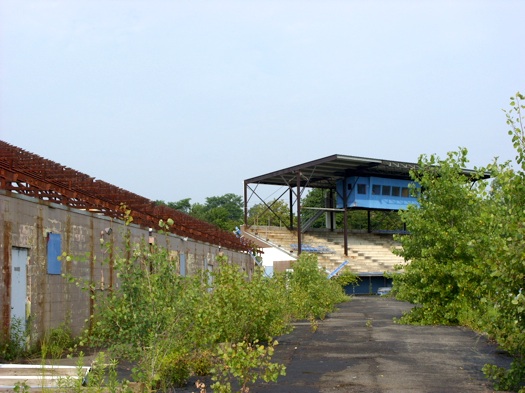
(313, 249)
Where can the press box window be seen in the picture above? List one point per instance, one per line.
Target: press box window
(376, 189)
(404, 192)
(361, 189)
(385, 190)
(396, 191)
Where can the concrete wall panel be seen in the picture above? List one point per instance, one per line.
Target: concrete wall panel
(53, 300)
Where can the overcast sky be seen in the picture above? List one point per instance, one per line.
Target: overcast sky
(187, 99)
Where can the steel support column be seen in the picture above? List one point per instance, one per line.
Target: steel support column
(299, 245)
(345, 217)
(246, 204)
(291, 208)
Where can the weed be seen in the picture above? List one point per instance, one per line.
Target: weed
(13, 344)
(246, 363)
(57, 341)
(21, 387)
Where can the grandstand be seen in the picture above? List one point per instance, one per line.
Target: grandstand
(367, 252)
(349, 183)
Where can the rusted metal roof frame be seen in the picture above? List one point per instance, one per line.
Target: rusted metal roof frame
(29, 174)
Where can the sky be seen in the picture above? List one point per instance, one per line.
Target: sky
(187, 99)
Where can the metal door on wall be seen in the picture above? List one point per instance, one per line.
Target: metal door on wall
(18, 285)
(182, 261)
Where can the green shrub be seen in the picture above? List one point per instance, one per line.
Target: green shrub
(13, 345)
(57, 342)
(173, 371)
(345, 278)
(239, 308)
(246, 363)
(311, 293)
(201, 362)
(507, 379)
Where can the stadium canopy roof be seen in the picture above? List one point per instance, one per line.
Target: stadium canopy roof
(324, 172)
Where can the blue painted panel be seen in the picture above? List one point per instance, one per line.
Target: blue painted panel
(375, 193)
(182, 259)
(368, 285)
(54, 250)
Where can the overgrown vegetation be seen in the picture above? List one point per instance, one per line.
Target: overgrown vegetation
(311, 295)
(220, 323)
(13, 343)
(57, 342)
(466, 248)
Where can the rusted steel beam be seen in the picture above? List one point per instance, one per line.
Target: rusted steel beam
(29, 174)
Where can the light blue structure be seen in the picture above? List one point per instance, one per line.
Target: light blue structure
(337, 269)
(370, 192)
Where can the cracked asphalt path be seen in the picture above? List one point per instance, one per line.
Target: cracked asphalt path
(359, 348)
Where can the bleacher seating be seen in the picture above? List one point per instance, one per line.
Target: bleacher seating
(366, 252)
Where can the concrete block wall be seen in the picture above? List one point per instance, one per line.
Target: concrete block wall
(52, 300)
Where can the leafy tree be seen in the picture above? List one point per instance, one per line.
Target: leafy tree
(503, 299)
(466, 248)
(357, 219)
(225, 211)
(231, 202)
(183, 205)
(199, 210)
(314, 198)
(386, 220)
(277, 214)
(438, 247)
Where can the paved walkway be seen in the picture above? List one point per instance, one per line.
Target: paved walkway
(360, 349)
